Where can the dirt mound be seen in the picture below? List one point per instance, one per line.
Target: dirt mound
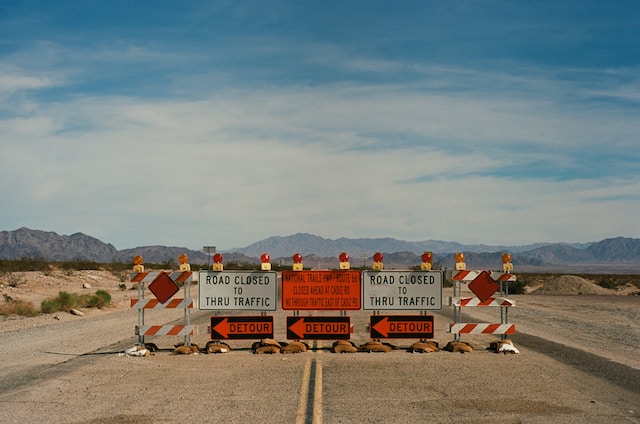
(571, 284)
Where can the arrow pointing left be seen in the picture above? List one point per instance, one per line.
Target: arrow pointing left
(241, 327)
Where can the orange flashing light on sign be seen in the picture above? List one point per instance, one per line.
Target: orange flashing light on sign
(297, 262)
(184, 262)
(217, 262)
(344, 261)
(460, 265)
(507, 266)
(266, 262)
(377, 262)
(427, 259)
(137, 264)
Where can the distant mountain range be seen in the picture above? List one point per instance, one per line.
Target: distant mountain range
(620, 254)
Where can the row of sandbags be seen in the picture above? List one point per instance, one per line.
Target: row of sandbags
(271, 346)
(346, 346)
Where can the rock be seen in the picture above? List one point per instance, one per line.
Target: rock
(76, 312)
(86, 285)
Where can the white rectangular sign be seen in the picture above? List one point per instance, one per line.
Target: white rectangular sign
(402, 290)
(238, 290)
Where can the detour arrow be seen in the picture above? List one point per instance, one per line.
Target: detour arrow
(318, 328)
(241, 327)
(401, 326)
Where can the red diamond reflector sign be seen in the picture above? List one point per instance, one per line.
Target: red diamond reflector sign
(163, 287)
(484, 286)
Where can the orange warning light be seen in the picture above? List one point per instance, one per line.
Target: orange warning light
(460, 265)
(184, 262)
(137, 264)
(507, 266)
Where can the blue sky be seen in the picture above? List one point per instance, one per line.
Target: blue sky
(223, 123)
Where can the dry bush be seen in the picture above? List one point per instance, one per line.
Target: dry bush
(18, 307)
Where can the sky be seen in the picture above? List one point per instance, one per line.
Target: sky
(222, 123)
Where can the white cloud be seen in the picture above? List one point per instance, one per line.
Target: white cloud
(412, 160)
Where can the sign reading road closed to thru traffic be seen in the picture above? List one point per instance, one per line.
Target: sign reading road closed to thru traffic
(402, 290)
(326, 290)
(238, 290)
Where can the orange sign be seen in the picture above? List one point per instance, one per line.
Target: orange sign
(401, 326)
(241, 327)
(318, 328)
(321, 290)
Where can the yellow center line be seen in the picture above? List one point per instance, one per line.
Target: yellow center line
(317, 391)
(303, 407)
(304, 393)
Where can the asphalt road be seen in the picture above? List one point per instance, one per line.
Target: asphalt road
(83, 380)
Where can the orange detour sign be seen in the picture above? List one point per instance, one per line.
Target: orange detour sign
(321, 290)
(318, 328)
(401, 326)
(241, 327)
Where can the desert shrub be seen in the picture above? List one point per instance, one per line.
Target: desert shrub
(18, 307)
(122, 275)
(79, 265)
(49, 306)
(14, 280)
(25, 308)
(610, 282)
(517, 287)
(66, 301)
(99, 300)
(24, 264)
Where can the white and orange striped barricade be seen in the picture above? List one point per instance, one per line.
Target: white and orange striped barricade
(483, 284)
(163, 285)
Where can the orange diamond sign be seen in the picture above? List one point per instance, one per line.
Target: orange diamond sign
(163, 287)
(484, 286)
